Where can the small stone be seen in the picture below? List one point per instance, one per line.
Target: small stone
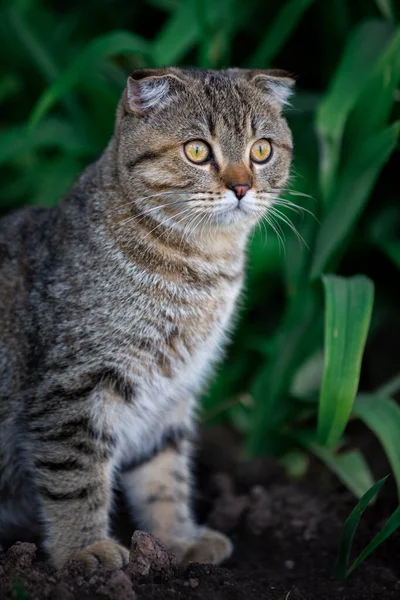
(118, 586)
(222, 484)
(397, 585)
(62, 592)
(194, 583)
(21, 555)
(289, 564)
(147, 555)
(260, 514)
(95, 580)
(227, 512)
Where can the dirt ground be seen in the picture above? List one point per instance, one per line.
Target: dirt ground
(286, 538)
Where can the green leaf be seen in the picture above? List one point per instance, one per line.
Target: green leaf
(32, 44)
(279, 31)
(390, 526)
(297, 338)
(370, 117)
(386, 8)
(389, 388)
(347, 317)
(350, 467)
(382, 415)
(352, 190)
(361, 54)
(50, 133)
(350, 528)
(184, 29)
(307, 380)
(117, 42)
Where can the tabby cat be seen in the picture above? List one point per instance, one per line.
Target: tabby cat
(115, 304)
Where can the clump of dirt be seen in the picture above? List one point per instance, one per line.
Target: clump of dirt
(286, 537)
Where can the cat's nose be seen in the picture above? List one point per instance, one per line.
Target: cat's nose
(240, 189)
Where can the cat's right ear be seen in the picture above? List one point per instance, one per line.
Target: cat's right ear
(147, 88)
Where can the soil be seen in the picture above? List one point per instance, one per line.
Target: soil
(286, 537)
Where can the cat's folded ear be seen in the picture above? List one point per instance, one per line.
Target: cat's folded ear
(278, 84)
(147, 88)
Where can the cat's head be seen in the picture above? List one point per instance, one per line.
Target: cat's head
(204, 149)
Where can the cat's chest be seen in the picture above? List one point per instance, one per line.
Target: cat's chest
(173, 343)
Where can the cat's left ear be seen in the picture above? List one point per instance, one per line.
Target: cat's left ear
(278, 84)
(147, 88)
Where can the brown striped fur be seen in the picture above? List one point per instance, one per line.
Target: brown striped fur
(115, 305)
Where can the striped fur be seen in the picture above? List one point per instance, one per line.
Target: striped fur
(114, 307)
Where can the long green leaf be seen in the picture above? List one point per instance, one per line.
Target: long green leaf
(184, 29)
(386, 8)
(34, 46)
(350, 467)
(390, 526)
(119, 42)
(297, 338)
(279, 31)
(371, 117)
(347, 317)
(352, 191)
(389, 388)
(50, 133)
(351, 525)
(382, 415)
(362, 53)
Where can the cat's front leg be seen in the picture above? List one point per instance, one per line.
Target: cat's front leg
(159, 493)
(72, 471)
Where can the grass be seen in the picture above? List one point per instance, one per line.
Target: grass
(290, 383)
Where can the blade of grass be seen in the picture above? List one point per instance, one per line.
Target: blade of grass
(297, 337)
(371, 117)
(382, 415)
(350, 528)
(183, 29)
(347, 316)
(390, 527)
(278, 32)
(350, 467)
(386, 8)
(365, 47)
(34, 47)
(50, 133)
(102, 47)
(352, 191)
(389, 388)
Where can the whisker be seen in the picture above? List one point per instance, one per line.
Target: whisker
(150, 196)
(273, 225)
(146, 212)
(287, 190)
(293, 206)
(164, 222)
(283, 218)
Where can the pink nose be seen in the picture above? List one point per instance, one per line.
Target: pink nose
(240, 190)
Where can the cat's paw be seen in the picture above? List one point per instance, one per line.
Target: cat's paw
(105, 554)
(212, 547)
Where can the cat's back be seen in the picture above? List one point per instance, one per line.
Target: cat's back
(20, 235)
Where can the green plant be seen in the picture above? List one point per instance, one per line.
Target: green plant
(292, 372)
(343, 569)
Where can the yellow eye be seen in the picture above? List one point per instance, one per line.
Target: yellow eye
(197, 151)
(261, 151)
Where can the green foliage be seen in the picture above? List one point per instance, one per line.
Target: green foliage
(347, 316)
(292, 371)
(343, 569)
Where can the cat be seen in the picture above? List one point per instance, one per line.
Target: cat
(115, 305)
